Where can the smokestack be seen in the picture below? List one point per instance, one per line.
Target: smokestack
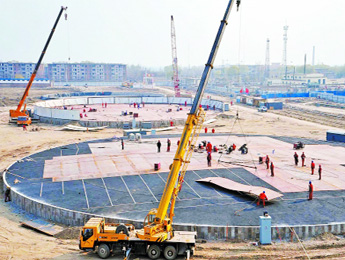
(313, 63)
(305, 62)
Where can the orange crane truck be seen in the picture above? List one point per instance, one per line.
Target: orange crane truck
(22, 117)
(158, 235)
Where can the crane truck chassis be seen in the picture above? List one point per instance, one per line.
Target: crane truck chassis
(158, 235)
(107, 238)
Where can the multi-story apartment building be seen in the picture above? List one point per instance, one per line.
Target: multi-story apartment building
(65, 72)
(87, 72)
(18, 70)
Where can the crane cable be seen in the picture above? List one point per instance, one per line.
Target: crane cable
(245, 138)
(68, 38)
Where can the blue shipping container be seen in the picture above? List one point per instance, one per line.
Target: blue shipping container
(274, 105)
(335, 136)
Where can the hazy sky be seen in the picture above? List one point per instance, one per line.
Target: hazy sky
(138, 31)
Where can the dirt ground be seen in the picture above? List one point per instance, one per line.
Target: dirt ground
(17, 242)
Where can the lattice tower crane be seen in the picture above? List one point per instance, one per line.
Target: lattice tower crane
(174, 59)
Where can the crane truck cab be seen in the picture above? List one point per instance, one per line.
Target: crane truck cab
(23, 120)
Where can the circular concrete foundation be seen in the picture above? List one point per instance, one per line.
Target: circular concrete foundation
(62, 185)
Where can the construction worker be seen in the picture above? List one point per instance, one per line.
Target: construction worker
(168, 145)
(262, 197)
(303, 158)
(205, 130)
(267, 161)
(159, 146)
(312, 166)
(311, 189)
(209, 159)
(122, 144)
(102, 105)
(171, 123)
(24, 128)
(8, 194)
(233, 147)
(272, 169)
(178, 142)
(185, 103)
(213, 131)
(296, 158)
(209, 147)
(320, 171)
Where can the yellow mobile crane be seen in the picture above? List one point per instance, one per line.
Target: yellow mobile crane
(158, 235)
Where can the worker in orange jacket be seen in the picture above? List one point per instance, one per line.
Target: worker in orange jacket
(272, 169)
(312, 166)
(303, 158)
(267, 161)
(311, 189)
(262, 197)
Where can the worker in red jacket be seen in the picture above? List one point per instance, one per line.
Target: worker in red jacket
(312, 166)
(311, 189)
(205, 130)
(272, 169)
(267, 161)
(320, 171)
(262, 197)
(213, 131)
(209, 147)
(303, 158)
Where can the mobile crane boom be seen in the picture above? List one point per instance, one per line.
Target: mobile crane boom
(14, 114)
(159, 224)
(157, 235)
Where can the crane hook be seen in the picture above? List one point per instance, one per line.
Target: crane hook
(238, 2)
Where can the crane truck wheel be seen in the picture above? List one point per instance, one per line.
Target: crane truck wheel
(154, 252)
(122, 228)
(103, 251)
(170, 253)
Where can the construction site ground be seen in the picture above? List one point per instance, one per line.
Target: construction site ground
(17, 242)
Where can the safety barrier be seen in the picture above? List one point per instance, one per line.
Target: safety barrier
(332, 97)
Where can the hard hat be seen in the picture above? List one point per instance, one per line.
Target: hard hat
(309, 182)
(312, 161)
(263, 192)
